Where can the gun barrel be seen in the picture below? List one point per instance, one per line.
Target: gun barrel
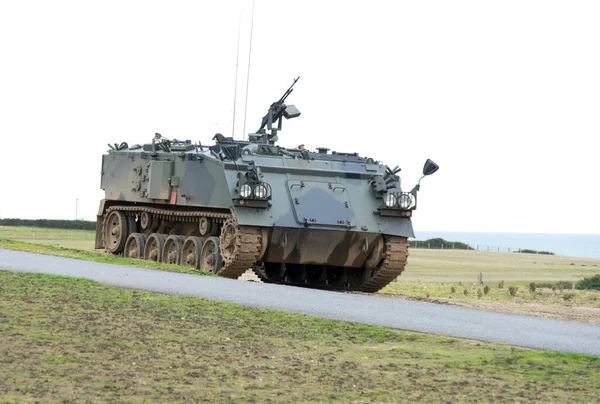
(289, 91)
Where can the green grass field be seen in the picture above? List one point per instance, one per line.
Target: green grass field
(72, 340)
(78, 239)
(446, 274)
(463, 266)
(423, 265)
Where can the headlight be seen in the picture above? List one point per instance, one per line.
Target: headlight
(260, 191)
(245, 191)
(405, 201)
(390, 200)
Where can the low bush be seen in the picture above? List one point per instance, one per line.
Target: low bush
(50, 223)
(527, 251)
(560, 285)
(592, 283)
(513, 290)
(439, 243)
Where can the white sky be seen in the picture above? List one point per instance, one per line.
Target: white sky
(504, 96)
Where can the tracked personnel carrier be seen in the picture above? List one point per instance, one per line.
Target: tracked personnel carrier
(312, 218)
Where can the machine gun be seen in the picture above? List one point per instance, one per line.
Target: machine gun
(277, 111)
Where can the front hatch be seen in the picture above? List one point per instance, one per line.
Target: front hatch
(321, 203)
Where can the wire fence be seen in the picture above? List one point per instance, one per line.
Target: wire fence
(473, 247)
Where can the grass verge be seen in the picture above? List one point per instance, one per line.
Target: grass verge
(567, 304)
(69, 339)
(520, 293)
(95, 256)
(443, 271)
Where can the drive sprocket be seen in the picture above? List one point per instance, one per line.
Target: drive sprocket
(240, 248)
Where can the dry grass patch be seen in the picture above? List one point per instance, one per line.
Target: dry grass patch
(463, 266)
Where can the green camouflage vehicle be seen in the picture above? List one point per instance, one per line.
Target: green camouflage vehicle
(317, 219)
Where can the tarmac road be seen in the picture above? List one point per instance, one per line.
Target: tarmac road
(526, 331)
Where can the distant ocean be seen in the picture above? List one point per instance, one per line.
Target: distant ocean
(573, 245)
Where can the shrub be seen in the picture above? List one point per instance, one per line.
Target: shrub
(486, 289)
(513, 290)
(554, 285)
(564, 285)
(528, 251)
(465, 292)
(438, 243)
(501, 284)
(479, 293)
(592, 282)
(532, 287)
(452, 289)
(568, 296)
(50, 223)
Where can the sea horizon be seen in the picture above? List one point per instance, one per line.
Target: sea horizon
(581, 245)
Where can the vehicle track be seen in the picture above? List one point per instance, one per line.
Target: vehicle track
(526, 331)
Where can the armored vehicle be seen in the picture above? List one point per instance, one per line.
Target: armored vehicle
(312, 218)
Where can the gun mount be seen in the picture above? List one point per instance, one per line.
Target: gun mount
(277, 111)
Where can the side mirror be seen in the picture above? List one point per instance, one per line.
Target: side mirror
(430, 167)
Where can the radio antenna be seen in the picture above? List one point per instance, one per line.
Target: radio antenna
(248, 73)
(237, 59)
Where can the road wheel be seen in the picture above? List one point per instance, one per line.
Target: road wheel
(134, 246)
(357, 277)
(270, 272)
(154, 247)
(115, 232)
(337, 277)
(172, 250)
(316, 275)
(295, 273)
(192, 248)
(210, 258)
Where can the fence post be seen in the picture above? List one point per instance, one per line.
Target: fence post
(429, 246)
